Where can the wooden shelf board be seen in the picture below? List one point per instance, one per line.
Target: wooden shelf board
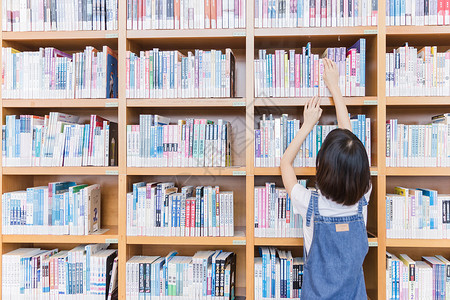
(307, 171)
(229, 171)
(418, 243)
(325, 101)
(61, 35)
(111, 234)
(61, 103)
(209, 102)
(60, 170)
(429, 171)
(312, 31)
(173, 240)
(278, 241)
(417, 30)
(417, 100)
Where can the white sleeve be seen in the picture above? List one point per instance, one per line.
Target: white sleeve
(300, 199)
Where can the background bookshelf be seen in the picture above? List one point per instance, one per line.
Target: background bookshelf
(243, 111)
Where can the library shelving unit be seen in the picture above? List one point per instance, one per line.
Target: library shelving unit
(244, 112)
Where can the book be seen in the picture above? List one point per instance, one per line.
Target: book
(306, 13)
(183, 276)
(172, 74)
(276, 133)
(158, 209)
(42, 273)
(58, 140)
(274, 215)
(411, 71)
(198, 14)
(53, 74)
(278, 274)
(417, 145)
(61, 208)
(417, 13)
(188, 143)
(52, 15)
(291, 74)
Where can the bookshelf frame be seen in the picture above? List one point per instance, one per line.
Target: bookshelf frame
(123, 40)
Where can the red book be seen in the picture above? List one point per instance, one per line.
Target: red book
(177, 13)
(214, 14)
(208, 14)
(192, 217)
(441, 11)
(187, 217)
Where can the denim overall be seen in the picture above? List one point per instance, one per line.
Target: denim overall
(333, 268)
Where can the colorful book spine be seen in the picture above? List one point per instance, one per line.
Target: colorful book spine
(53, 74)
(268, 150)
(287, 74)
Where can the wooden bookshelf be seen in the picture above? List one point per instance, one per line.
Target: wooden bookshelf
(115, 181)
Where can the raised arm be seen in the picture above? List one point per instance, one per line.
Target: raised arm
(311, 115)
(331, 78)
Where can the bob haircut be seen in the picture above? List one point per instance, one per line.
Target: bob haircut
(343, 171)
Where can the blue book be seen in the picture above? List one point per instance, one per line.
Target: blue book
(112, 81)
(135, 201)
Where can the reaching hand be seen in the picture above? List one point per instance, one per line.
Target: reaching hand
(312, 112)
(330, 74)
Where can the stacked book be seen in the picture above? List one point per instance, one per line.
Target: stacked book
(424, 279)
(57, 140)
(278, 275)
(190, 143)
(159, 209)
(185, 14)
(86, 271)
(68, 15)
(206, 275)
(290, 74)
(417, 214)
(413, 72)
(274, 214)
(315, 13)
(61, 208)
(171, 74)
(418, 145)
(275, 134)
(53, 74)
(417, 12)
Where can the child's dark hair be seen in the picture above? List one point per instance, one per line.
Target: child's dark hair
(343, 171)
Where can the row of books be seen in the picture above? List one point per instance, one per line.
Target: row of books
(57, 140)
(417, 12)
(205, 275)
(275, 134)
(61, 15)
(274, 214)
(52, 74)
(171, 74)
(86, 271)
(418, 145)
(61, 208)
(190, 143)
(301, 74)
(417, 214)
(160, 209)
(424, 279)
(315, 13)
(413, 72)
(278, 275)
(185, 14)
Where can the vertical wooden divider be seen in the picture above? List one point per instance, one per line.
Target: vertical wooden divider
(249, 120)
(381, 146)
(122, 118)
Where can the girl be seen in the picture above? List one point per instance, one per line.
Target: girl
(334, 216)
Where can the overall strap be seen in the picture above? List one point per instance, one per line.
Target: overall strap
(312, 206)
(362, 202)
